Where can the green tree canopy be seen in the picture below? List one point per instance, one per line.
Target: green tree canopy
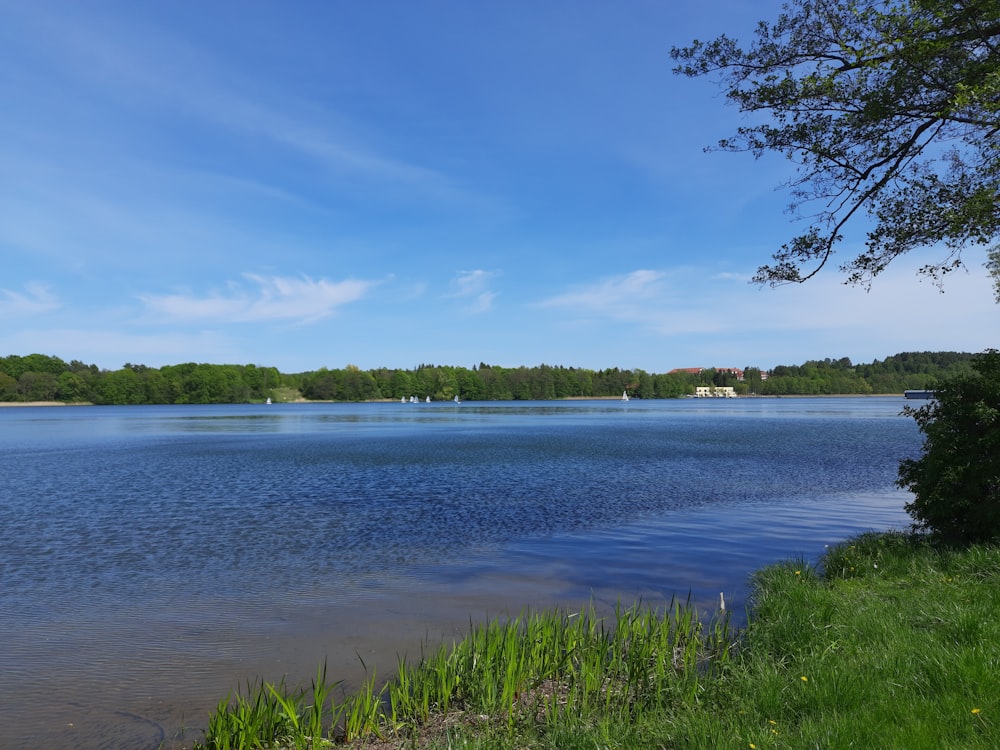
(890, 108)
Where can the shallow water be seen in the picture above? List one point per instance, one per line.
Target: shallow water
(154, 558)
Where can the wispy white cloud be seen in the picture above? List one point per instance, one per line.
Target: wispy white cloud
(35, 299)
(152, 67)
(473, 287)
(820, 318)
(616, 296)
(274, 298)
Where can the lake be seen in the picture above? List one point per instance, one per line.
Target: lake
(152, 559)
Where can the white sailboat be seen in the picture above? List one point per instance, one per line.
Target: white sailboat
(428, 399)
(624, 395)
(456, 400)
(268, 400)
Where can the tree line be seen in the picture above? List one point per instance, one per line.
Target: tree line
(39, 377)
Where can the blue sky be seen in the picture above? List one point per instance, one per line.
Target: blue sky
(310, 184)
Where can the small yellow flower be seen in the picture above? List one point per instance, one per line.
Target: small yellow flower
(975, 711)
(804, 678)
(798, 572)
(772, 721)
(753, 746)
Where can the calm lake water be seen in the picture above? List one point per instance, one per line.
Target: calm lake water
(154, 558)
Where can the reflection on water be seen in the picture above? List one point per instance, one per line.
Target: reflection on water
(154, 558)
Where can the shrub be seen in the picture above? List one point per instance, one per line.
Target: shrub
(956, 482)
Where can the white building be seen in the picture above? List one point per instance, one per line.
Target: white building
(714, 391)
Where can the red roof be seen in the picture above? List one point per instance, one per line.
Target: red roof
(696, 370)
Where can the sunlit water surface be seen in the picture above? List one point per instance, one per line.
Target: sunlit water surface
(154, 558)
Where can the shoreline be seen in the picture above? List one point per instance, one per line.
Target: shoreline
(45, 403)
(13, 404)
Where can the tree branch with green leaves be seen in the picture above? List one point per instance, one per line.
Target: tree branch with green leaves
(890, 110)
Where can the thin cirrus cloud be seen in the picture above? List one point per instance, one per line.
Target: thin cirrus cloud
(274, 298)
(153, 68)
(473, 287)
(660, 302)
(617, 296)
(34, 300)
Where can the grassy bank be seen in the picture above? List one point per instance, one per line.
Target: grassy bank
(889, 643)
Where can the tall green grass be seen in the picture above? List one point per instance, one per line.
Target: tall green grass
(540, 672)
(890, 642)
(270, 715)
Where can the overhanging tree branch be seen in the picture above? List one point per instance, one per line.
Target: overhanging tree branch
(890, 107)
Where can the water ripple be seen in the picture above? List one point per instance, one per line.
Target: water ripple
(152, 555)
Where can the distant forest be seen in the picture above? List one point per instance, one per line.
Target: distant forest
(38, 377)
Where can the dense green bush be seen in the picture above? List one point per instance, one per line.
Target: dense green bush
(956, 482)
